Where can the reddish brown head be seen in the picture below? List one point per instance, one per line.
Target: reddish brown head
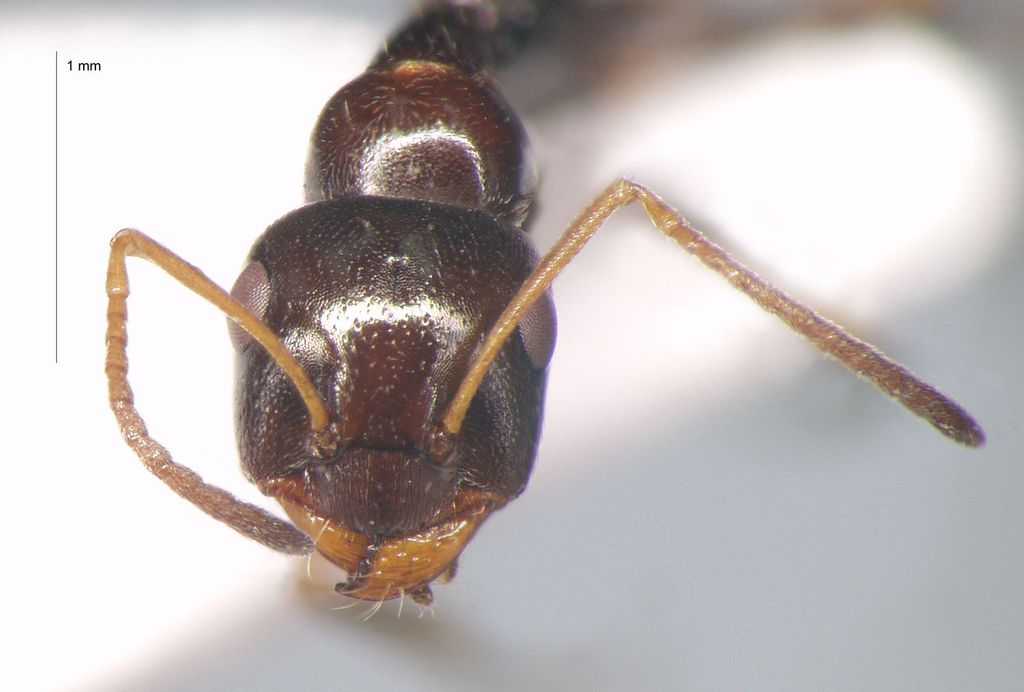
(383, 301)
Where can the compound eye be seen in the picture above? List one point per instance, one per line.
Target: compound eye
(539, 329)
(251, 289)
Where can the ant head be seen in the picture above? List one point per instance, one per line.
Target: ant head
(383, 303)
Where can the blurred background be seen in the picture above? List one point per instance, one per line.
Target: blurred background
(714, 506)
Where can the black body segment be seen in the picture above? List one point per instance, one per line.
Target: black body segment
(425, 121)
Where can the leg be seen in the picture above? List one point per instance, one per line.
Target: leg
(892, 378)
(245, 518)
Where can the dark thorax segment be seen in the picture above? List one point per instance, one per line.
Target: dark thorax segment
(426, 120)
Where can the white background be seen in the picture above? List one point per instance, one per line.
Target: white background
(714, 505)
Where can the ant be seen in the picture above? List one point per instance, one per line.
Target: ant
(393, 334)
